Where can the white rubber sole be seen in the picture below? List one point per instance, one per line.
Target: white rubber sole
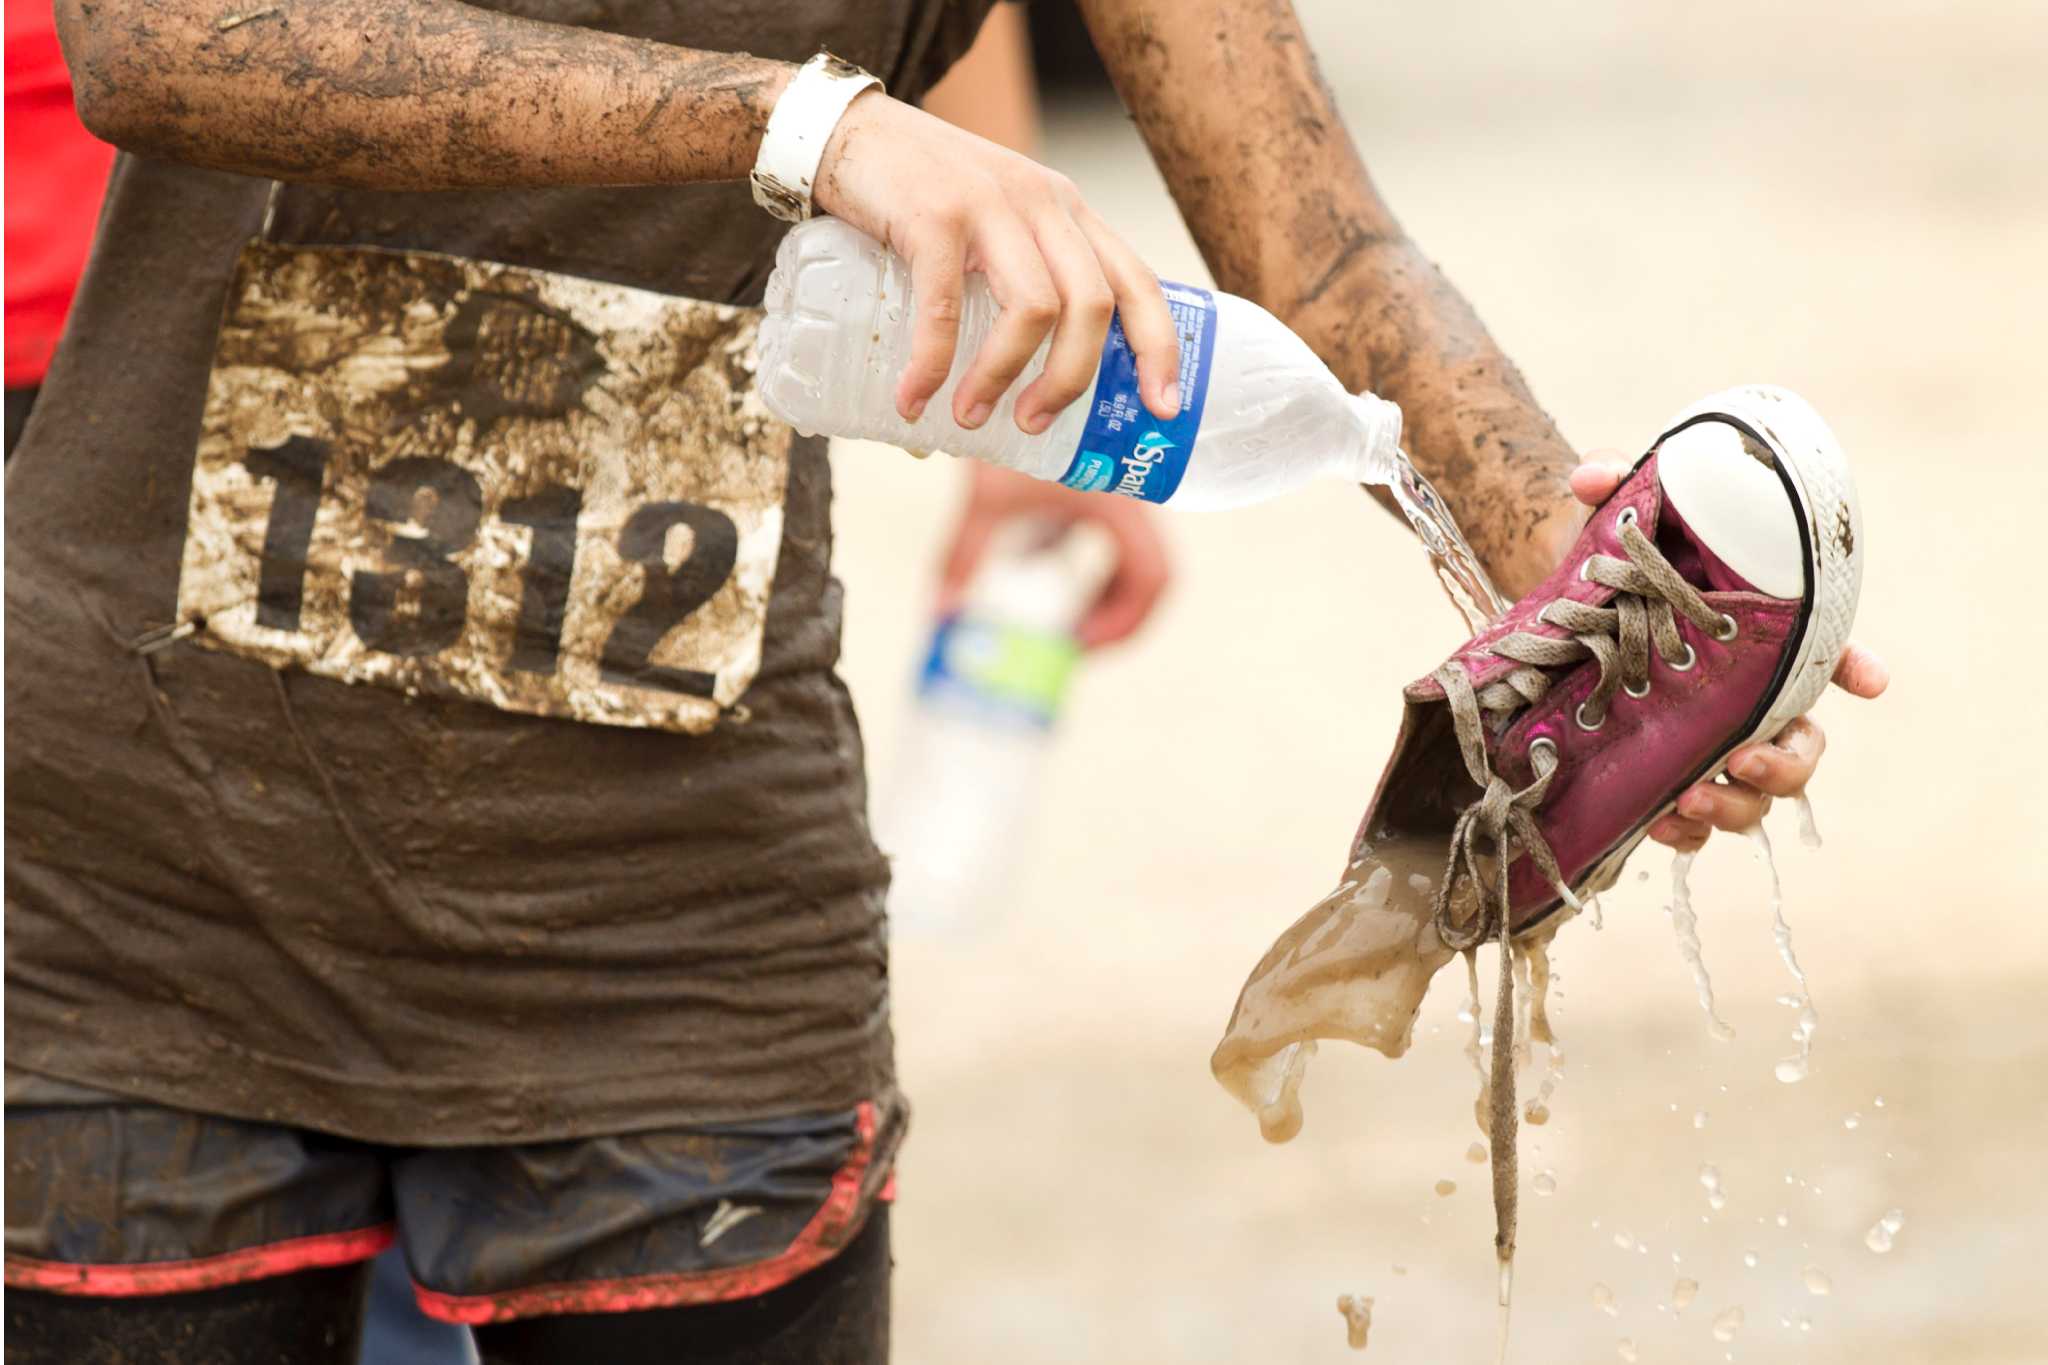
(1816, 477)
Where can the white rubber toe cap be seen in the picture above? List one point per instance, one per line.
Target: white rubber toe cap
(1735, 506)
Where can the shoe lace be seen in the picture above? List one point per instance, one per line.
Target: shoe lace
(1649, 597)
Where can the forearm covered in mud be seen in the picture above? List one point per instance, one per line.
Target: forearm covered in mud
(1247, 135)
(409, 94)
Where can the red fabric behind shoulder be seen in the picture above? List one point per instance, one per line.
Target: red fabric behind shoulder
(56, 174)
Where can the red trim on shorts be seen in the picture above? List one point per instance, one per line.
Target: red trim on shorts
(817, 1242)
(148, 1278)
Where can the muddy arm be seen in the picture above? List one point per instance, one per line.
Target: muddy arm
(1228, 97)
(409, 94)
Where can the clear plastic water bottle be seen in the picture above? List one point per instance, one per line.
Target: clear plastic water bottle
(1260, 414)
(961, 798)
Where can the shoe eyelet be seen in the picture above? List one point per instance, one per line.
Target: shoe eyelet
(1626, 519)
(1586, 569)
(1730, 628)
(1541, 742)
(1634, 693)
(1584, 724)
(1683, 665)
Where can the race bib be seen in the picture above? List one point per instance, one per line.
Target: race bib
(547, 494)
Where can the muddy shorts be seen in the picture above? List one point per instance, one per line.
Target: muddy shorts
(115, 1199)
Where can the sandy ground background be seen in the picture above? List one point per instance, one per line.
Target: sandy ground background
(1646, 202)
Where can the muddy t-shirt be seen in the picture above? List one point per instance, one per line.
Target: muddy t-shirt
(421, 722)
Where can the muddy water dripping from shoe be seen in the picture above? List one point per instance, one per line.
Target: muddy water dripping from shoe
(1793, 1069)
(1456, 566)
(1466, 583)
(1355, 967)
(1357, 1311)
(1809, 832)
(1533, 962)
(1685, 924)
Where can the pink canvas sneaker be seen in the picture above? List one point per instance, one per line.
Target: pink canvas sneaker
(1703, 607)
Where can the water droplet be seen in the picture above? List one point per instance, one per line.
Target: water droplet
(1784, 1220)
(1603, 1299)
(1809, 832)
(1877, 1103)
(1852, 1121)
(1817, 1281)
(1699, 1118)
(1476, 1154)
(1544, 1183)
(1683, 1293)
(1626, 1349)
(1446, 1187)
(1879, 1238)
(1727, 1323)
(1749, 1259)
(1624, 1241)
(1806, 1324)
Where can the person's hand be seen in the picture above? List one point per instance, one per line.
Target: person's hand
(1756, 772)
(952, 204)
(995, 496)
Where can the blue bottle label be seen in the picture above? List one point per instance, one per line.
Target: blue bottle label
(1124, 448)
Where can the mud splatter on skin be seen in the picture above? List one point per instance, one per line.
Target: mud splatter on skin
(1284, 213)
(378, 96)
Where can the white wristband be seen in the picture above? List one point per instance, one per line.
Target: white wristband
(798, 128)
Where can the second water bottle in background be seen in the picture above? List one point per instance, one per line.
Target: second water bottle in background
(1260, 414)
(960, 802)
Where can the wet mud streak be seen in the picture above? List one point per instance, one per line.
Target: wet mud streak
(1286, 214)
(371, 95)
